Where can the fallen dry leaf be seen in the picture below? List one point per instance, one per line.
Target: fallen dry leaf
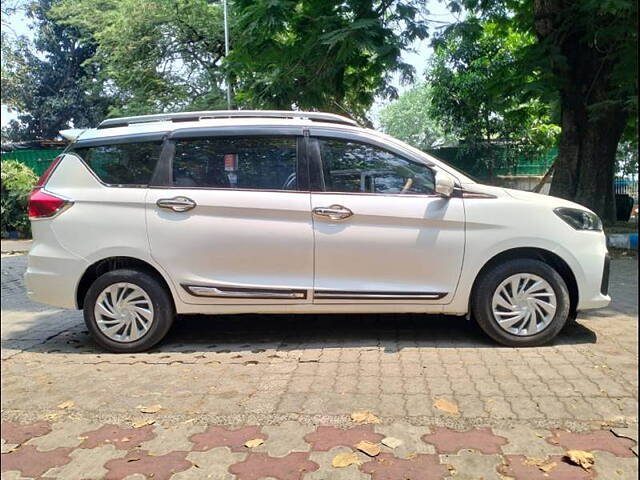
(67, 404)
(534, 461)
(150, 408)
(446, 406)
(371, 449)
(547, 467)
(580, 457)
(344, 460)
(142, 423)
(52, 416)
(542, 463)
(364, 417)
(391, 442)
(410, 456)
(256, 442)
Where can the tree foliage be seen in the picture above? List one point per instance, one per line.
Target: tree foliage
(48, 81)
(481, 90)
(586, 54)
(124, 57)
(409, 118)
(156, 55)
(328, 55)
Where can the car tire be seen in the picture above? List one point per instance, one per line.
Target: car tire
(141, 292)
(487, 306)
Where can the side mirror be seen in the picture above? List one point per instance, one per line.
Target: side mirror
(444, 184)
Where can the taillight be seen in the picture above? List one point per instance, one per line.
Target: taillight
(47, 173)
(43, 204)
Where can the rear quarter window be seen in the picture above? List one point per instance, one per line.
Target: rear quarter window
(122, 164)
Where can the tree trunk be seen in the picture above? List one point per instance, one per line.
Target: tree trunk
(585, 167)
(592, 120)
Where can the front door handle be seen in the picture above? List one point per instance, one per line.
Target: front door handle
(177, 204)
(334, 212)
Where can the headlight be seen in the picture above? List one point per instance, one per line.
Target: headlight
(579, 219)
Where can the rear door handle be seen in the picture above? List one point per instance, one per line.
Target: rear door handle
(177, 204)
(334, 212)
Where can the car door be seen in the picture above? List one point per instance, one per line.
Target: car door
(382, 234)
(229, 217)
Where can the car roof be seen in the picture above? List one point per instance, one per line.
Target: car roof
(170, 126)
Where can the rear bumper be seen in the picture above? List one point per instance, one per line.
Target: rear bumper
(53, 272)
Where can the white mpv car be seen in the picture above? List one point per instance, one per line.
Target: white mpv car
(230, 212)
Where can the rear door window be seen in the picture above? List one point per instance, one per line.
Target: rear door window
(126, 164)
(257, 162)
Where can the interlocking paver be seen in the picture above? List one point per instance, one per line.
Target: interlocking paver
(86, 463)
(119, 437)
(520, 467)
(217, 436)
(451, 441)
(325, 437)
(13, 432)
(212, 464)
(140, 462)
(471, 464)
(327, 472)
(33, 463)
(292, 466)
(387, 467)
(297, 379)
(603, 440)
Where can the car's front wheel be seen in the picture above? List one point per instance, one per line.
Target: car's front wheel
(128, 311)
(521, 303)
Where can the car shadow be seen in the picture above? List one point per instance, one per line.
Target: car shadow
(258, 333)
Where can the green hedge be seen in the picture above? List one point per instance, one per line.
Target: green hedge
(17, 180)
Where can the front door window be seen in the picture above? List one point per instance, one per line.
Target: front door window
(351, 167)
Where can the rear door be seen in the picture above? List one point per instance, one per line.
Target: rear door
(382, 234)
(229, 217)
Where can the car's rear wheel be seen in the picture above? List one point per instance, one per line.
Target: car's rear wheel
(128, 311)
(521, 303)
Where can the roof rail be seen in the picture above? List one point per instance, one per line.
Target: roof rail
(196, 116)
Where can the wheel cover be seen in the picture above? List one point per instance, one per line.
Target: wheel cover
(524, 304)
(124, 312)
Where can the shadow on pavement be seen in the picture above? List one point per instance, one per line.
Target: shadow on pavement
(256, 333)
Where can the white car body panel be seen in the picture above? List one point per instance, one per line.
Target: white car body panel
(392, 243)
(269, 239)
(234, 238)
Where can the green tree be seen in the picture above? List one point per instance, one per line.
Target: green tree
(586, 53)
(477, 91)
(48, 82)
(330, 55)
(156, 55)
(409, 119)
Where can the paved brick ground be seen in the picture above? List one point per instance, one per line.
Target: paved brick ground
(293, 382)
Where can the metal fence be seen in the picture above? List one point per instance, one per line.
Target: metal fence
(36, 159)
(628, 186)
